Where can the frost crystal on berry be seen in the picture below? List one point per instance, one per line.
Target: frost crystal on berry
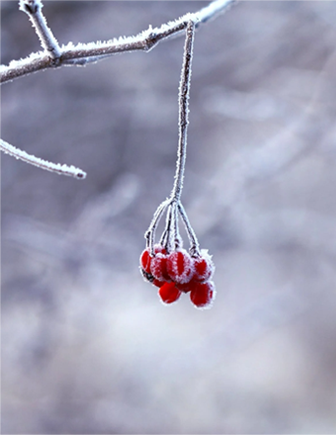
(180, 266)
(203, 267)
(145, 261)
(158, 267)
(203, 294)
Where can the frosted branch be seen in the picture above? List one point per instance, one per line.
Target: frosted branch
(33, 8)
(82, 54)
(184, 90)
(40, 163)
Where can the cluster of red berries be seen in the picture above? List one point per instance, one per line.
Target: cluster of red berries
(178, 272)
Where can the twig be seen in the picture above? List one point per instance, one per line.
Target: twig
(82, 54)
(40, 163)
(194, 245)
(55, 56)
(33, 8)
(183, 111)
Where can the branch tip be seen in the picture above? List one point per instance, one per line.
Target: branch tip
(57, 168)
(30, 7)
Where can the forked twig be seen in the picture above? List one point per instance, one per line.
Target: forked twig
(55, 56)
(82, 54)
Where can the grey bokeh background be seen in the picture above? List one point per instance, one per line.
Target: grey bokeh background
(86, 345)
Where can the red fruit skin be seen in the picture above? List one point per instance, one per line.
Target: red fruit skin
(169, 293)
(186, 287)
(203, 267)
(158, 267)
(159, 249)
(157, 283)
(146, 258)
(180, 266)
(203, 294)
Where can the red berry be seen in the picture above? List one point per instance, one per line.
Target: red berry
(169, 293)
(186, 287)
(203, 266)
(159, 249)
(180, 266)
(203, 294)
(157, 283)
(158, 267)
(146, 258)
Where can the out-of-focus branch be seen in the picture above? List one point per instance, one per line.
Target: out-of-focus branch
(81, 54)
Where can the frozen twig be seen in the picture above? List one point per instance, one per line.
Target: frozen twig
(33, 8)
(40, 163)
(82, 54)
(194, 245)
(184, 110)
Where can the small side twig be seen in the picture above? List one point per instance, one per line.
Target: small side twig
(33, 8)
(72, 171)
(55, 56)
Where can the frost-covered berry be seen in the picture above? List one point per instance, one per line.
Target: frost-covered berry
(180, 266)
(146, 258)
(203, 294)
(169, 293)
(203, 267)
(159, 249)
(158, 267)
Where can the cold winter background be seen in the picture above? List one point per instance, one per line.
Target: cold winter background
(87, 347)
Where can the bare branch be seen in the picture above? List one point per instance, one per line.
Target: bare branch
(184, 110)
(72, 171)
(82, 54)
(33, 8)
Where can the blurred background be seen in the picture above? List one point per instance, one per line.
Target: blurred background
(87, 347)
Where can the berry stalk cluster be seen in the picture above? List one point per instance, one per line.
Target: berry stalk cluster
(167, 264)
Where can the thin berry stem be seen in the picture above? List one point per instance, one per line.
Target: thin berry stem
(165, 237)
(169, 242)
(194, 245)
(184, 90)
(176, 233)
(150, 233)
